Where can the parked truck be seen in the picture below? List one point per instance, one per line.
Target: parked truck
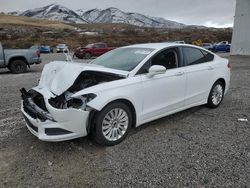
(18, 60)
(92, 50)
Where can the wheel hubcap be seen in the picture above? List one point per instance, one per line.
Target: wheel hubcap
(115, 124)
(217, 94)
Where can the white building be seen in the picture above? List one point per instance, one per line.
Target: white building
(241, 31)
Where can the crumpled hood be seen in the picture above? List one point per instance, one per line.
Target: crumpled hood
(58, 76)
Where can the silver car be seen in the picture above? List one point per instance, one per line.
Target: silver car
(207, 46)
(62, 48)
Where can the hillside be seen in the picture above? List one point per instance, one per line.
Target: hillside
(26, 21)
(23, 32)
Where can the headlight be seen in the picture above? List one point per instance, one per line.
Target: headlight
(81, 101)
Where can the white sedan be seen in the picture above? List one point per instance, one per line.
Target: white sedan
(122, 89)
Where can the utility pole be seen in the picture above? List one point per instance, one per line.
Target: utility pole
(241, 31)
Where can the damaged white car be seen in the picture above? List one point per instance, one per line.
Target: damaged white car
(124, 88)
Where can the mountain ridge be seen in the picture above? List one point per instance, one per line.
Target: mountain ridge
(57, 12)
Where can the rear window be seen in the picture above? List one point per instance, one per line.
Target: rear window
(208, 56)
(100, 45)
(195, 56)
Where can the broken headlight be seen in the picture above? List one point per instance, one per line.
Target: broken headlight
(81, 101)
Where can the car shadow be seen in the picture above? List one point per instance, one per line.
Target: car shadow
(170, 118)
(87, 142)
(8, 72)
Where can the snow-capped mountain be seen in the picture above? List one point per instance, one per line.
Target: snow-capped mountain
(114, 15)
(89, 15)
(110, 15)
(55, 12)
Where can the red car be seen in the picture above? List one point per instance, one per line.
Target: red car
(92, 50)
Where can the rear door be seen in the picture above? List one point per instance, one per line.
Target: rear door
(199, 71)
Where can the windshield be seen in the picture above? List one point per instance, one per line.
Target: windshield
(89, 46)
(125, 59)
(61, 45)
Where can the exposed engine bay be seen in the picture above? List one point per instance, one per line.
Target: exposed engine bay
(85, 80)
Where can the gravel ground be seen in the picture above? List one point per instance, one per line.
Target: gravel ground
(199, 147)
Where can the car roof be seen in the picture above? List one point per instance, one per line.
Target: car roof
(158, 46)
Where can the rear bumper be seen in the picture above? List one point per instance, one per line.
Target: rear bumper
(36, 60)
(62, 124)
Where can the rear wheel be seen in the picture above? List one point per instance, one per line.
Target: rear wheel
(112, 124)
(18, 66)
(216, 95)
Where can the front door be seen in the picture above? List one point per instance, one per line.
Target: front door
(164, 93)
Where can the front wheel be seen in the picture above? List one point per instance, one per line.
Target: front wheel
(216, 95)
(87, 56)
(112, 124)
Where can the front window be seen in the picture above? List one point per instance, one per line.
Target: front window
(167, 58)
(61, 45)
(125, 59)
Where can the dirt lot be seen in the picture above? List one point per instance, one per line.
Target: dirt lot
(199, 147)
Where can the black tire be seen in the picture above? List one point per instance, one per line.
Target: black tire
(87, 55)
(212, 103)
(18, 66)
(97, 130)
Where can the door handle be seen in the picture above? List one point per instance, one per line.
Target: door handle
(210, 68)
(179, 73)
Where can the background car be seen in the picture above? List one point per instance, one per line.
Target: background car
(223, 46)
(19, 60)
(62, 48)
(92, 50)
(44, 49)
(180, 42)
(207, 46)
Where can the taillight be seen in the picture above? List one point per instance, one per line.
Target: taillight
(229, 66)
(38, 53)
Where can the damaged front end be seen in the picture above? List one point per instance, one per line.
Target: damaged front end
(85, 80)
(34, 105)
(53, 115)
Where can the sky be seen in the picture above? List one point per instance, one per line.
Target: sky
(212, 13)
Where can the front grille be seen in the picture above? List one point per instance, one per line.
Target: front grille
(30, 124)
(32, 112)
(28, 110)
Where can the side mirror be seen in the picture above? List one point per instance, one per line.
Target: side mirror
(156, 69)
